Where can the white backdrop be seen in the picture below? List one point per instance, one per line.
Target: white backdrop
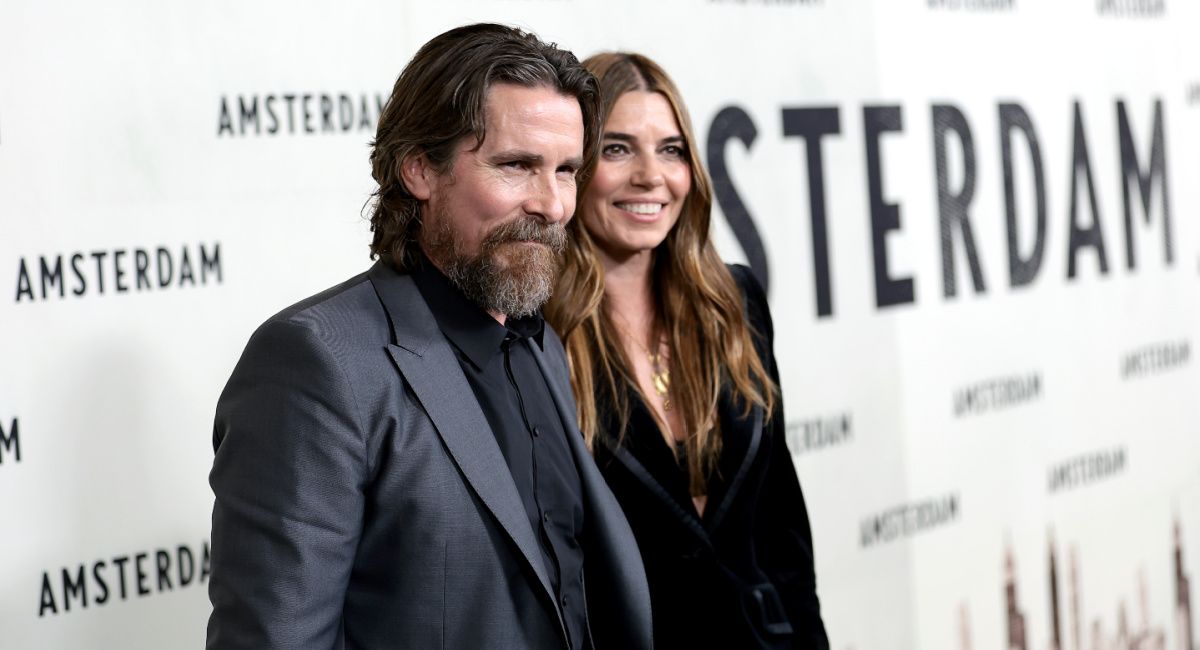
(1046, 418)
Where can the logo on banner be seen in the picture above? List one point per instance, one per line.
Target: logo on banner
(819, 433)
(1086, 469)
(298, 114)
(997, 394)
(973, 5)
(1132, 8)
(909, 519)
(1155, 359)
(122, 270)
(1143, 173)
(136, 575)
(10, 442)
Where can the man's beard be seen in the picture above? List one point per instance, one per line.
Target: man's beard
(515, 282)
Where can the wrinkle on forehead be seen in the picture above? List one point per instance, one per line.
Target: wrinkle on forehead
(539, 113)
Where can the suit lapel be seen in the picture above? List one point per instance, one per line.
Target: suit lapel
(721, 508)
(616, 551)
(740, 440)
(595, 489)
(431, 369)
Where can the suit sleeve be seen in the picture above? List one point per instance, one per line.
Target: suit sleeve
(288, 478)
(783, 538)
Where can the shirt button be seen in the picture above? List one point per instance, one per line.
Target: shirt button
(536, 433)
(546, 517)
(564, 601)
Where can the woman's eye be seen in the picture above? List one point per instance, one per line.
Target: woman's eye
(614, 149)
(674, 150)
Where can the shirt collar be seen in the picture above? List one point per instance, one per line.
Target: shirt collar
(471, 329)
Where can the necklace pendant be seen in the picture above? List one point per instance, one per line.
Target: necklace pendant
(660, 377)
(661, 381)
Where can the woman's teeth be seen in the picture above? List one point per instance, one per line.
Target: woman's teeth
(641, 208)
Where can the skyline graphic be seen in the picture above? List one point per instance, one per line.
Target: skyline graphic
(1069, 632)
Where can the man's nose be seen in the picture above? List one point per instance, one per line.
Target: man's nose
(547, 198)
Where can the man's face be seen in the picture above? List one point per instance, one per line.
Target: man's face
(494, 222)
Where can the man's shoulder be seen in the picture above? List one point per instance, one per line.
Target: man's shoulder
(348, 309)
(337, 296)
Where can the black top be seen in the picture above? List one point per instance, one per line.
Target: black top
(499, 365)
(742, 575)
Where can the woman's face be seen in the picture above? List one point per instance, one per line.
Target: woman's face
(641, 180)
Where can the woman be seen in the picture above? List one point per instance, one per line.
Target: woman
(672, 365)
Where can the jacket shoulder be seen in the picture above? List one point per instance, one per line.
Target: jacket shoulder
(348, 314)
(758, 312)
(352, 294)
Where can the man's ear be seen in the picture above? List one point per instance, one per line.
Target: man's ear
(418, 175)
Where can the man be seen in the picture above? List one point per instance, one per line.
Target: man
(397, 460)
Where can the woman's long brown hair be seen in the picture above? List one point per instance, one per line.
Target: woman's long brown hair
(699, 306)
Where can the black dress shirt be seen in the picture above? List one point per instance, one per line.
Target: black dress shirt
(499, 365)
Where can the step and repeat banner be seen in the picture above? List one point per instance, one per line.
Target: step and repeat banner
(976, 220)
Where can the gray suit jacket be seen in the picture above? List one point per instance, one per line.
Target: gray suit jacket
(363, 502)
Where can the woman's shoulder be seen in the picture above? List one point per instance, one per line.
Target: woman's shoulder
(747, 282)
(757, 310)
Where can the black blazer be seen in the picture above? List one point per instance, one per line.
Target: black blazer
(742, 575)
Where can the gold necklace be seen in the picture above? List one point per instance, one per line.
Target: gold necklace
(660, 378)
(660, 374)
